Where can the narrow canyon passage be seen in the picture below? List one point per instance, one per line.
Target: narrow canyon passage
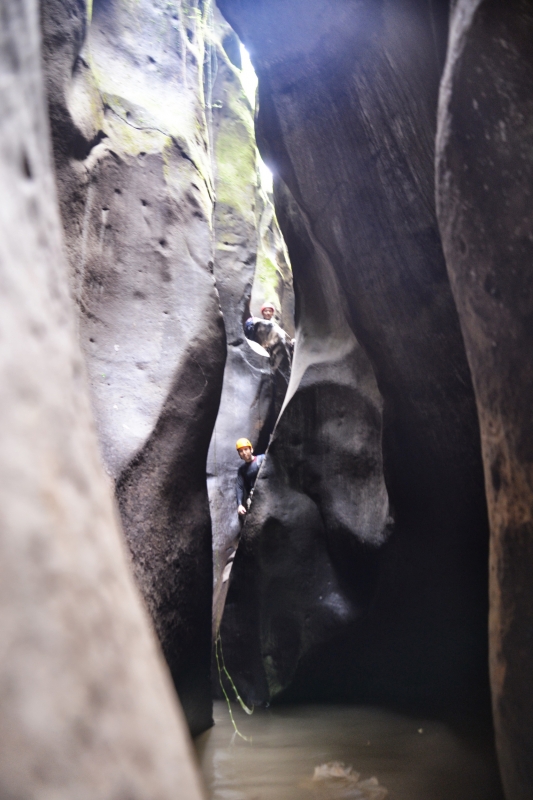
(294, 229)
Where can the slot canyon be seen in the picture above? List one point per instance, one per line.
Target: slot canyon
(167, 169)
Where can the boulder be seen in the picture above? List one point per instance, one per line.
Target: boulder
(133, 157)
(485, 179)
(88, 708)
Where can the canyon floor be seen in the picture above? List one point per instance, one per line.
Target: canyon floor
(287, 746)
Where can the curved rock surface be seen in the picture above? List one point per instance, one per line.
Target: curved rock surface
(485, 180)
(305, 570)
(88, 709)
(276, 342)
(348, 98)
(273, 280)
(134, 168)
(249, 252)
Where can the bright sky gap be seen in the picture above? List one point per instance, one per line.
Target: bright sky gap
(249, 82)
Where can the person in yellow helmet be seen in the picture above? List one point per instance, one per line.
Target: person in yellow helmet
(247, 474)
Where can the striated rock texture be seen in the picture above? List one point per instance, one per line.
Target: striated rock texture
(88, 710)
(348, 98)
(305, 571)
(134, 167)
(249, 250)
(485, 184)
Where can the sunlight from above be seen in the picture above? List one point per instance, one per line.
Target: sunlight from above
(248, 76)
(249, 82)
(267, 179)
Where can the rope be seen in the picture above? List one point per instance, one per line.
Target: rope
(218, 646)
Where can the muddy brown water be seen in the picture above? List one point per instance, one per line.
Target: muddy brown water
(306, 752)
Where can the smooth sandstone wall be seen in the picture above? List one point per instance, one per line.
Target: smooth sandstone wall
(129, 89)
(484, 194)
(88, 710)
(348, 98)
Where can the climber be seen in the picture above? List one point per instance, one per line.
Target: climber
(268, 310)
(247, 474)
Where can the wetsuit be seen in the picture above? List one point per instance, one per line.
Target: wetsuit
(246, 478)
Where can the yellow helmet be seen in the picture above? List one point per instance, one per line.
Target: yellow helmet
(243, 443)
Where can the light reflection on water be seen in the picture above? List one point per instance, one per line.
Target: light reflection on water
(413, 759)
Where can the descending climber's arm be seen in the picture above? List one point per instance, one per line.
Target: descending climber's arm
(240, 494)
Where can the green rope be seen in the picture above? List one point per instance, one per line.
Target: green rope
(218, 644)
(237, 695)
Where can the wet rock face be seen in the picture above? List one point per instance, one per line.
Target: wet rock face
(246, 404)
(134, 168)
(249, 252)
(279, 346)
(348, 98)
(273, 279)
(485, 119)
(305, 571)
(246, 393)
(88, 710)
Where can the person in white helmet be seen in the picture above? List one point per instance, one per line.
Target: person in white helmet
(268, 310)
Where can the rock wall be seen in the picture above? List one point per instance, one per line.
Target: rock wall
(249, 251)
(279, 346)
(485, 179)
(305, 571)
(246, 393)
(88, 710)
(273, 279)
(347, 119)
(133, 161)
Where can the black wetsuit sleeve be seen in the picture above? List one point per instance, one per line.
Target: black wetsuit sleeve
(240, 488)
